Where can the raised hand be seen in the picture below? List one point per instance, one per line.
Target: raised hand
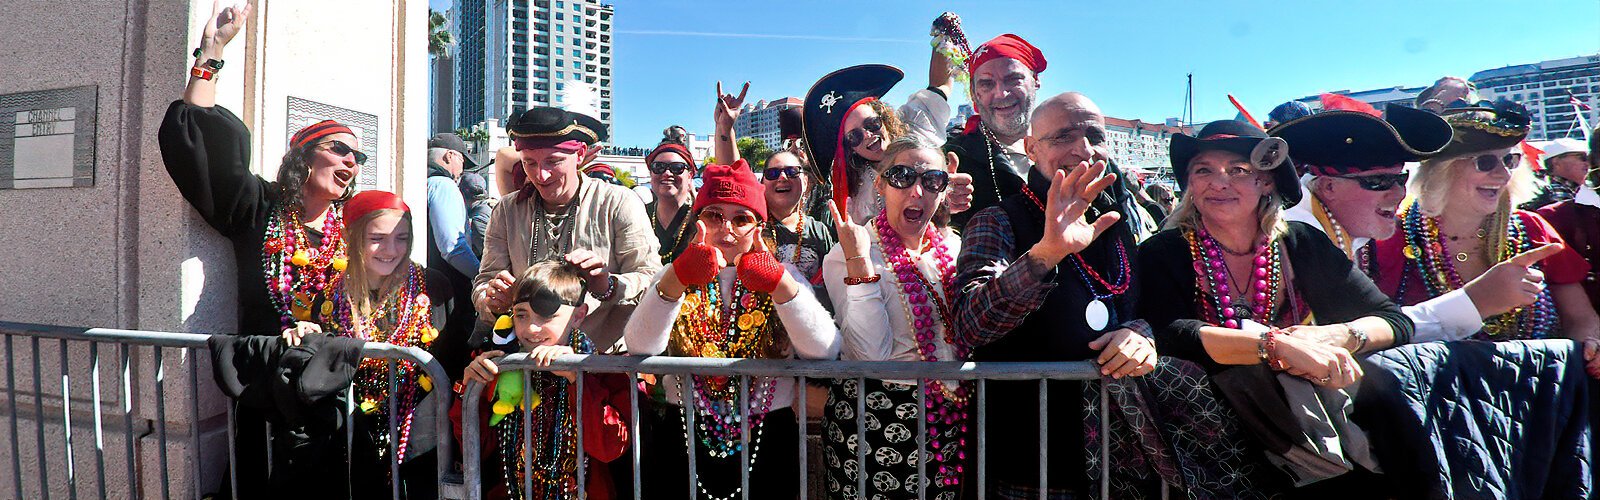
(699, 263)
(1511, 283)
(856, 239)
(759, 270)
(223, 25)
(1065, 230)
(958, 197)
(728, 106)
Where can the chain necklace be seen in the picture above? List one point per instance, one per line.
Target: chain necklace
(989, 141)
(799, 233)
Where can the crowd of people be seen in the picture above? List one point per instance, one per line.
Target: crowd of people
(1347, 302)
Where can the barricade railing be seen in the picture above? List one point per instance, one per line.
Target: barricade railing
(128, 344)
(800, 371)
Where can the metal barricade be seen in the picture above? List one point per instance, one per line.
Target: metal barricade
(800, 370)
(128, 345)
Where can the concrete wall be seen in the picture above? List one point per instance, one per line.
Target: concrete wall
(129, 252)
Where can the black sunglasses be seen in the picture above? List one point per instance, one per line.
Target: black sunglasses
(660, 167)
(856, 136)
(1489, 162)
(902, 176)
(341, 149)
(772, 173)
(1381, 182)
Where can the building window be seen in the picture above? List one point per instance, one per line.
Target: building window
(560, 5)
(561, 75)
(561, 86)
(561, 39)
(561, 63)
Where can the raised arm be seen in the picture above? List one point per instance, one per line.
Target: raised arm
(725, 144)
(221, 27)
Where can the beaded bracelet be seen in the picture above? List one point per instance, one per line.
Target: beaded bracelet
(611, 289)
(862, 281)
(1263, 348)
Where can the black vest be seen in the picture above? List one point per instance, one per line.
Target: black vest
(1056, 331)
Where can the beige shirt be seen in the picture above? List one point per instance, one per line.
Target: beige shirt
(608, 220)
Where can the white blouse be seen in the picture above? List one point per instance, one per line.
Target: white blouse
(874, 317)
(809, 326)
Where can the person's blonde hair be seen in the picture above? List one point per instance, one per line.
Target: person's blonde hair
(1431, 183)
(356, 273)
(1269, 211)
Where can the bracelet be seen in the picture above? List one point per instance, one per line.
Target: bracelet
(202, 72)
(664, 296)
(862, 281)
(1262, 347)
(1359, 334)
(611, 289)
(861, 257)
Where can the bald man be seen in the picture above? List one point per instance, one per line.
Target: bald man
(1028, 295)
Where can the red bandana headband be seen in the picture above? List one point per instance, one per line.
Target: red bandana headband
(1007, 46)
(366, 202)
(318, 130)
(841, 160)
(526, 143)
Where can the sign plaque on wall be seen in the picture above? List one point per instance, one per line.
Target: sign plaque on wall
(47, 138)
(375, 173)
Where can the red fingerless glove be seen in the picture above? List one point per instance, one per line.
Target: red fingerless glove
(760, 271)
(696, 266)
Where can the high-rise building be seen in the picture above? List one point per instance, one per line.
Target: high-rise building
(517, 54)
(1136, 145)
(1548, 89)
(760, 120)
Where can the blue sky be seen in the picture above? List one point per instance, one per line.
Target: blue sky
(1130, 57)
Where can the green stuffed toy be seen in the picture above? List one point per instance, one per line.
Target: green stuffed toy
(508, 386)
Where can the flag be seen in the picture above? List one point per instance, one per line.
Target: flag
(1581, 110)
(1532, 155)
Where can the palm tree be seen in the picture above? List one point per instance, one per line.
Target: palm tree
(439, 39)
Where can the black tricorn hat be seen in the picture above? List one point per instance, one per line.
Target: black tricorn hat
(1249, 141)
(1341, 141)
(831, 98)
(1488, 126)
(556, 125)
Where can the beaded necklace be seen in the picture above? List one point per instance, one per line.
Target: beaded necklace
(705, 330)
(555, 449)
(799, 234)
(746, 330)
(297, 272)
(1427, 254)
(989, 141)
(1097, 314)
(945, 408)
(1212, 276)
(1332, 227)
(666, 250)
(402, 318)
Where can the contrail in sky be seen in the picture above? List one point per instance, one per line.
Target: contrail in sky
(767, 35)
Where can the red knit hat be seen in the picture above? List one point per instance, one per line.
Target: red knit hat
(366, 202)
(318, 130)
(734, 184)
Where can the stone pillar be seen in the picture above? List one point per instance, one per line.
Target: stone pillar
(129, 252)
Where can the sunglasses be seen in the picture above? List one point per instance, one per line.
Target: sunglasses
(856, 136)
(902, 176)
(738, 222)
(1487, 163)
(773, 173)
(661, 167)
(1381, 182)
(342, 149)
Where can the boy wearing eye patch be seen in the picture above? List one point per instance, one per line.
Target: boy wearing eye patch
(547, 309)
(1357, 180)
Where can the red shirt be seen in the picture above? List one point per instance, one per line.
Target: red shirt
(1564, 267)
